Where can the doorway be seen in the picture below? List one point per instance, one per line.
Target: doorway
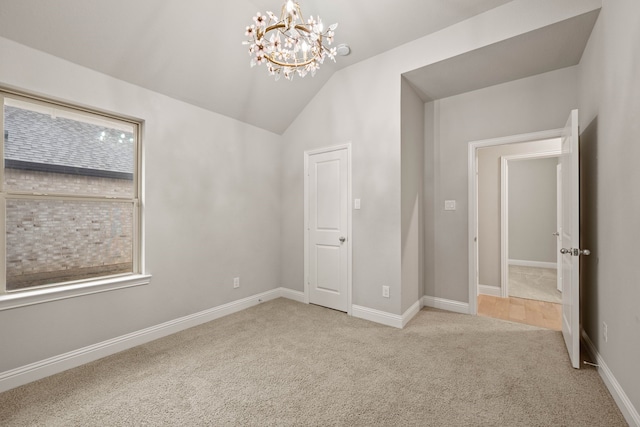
(489, 259)
(570, 232)
(327, 227)
(530, 214)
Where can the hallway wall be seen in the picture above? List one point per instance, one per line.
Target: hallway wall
(533, 210)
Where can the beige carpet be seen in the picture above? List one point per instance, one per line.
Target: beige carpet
(284, 363)
(534, 283)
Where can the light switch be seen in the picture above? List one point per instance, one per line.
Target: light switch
(449, 205)
(356, 204)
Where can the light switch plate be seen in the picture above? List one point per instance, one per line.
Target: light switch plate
(356, 204)
(449, 205)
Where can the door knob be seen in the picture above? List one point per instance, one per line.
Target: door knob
(555, 234)
(342, 239)
(575, 252)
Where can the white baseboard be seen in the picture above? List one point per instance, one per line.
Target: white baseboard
(536, 264)
(53, 365)
(292, 295)
(378, 316)
(495, 291)
(626, 407)
(445, 304)
(411, 312)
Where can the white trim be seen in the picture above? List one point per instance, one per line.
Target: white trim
(53, 365)
(385, 318)
(472, 161)
(377, 316)
(39, 296)
(504, 209)
(472, 171)
(622, 400)
(411, 312)
(504, 227)
(489, 290)
(445, 304)
(307, 154)
(292, 295)
(535, 264)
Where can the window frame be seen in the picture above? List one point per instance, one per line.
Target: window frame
(52, 292)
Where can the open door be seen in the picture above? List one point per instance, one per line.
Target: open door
(571, 251)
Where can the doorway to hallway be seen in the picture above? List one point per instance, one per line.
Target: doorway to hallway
(517, 232)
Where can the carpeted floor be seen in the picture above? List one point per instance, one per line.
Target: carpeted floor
(534, 283)
(284, 363)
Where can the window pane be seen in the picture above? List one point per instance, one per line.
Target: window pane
(53, 241)
(53, 150)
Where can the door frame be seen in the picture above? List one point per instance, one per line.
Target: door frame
(472, 173)
(559, 225)
(307, 155)
(504, 210)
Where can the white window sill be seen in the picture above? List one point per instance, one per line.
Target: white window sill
(39, 296)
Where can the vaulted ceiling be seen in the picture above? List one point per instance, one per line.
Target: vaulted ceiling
(191, 49)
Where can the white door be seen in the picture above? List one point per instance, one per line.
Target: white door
(558, 232)
(571, 251)
(328, 228)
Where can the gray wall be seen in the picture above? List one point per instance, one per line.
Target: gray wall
(430, 131)
(610, 196)
(412, 204)
(346, 110)
(212, 205)
(528, 105)
(489, 204)
(532, 210)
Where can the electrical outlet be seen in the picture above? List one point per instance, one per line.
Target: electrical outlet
(236, 282)
(385, 291)
(605, 331)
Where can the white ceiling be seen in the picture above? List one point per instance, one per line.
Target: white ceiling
(191, 49)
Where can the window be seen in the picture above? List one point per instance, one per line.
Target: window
(69, 200)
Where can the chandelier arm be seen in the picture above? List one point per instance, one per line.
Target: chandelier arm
(279, 26)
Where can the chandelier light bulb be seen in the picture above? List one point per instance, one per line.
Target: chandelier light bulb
(290, 6)
(289, 45)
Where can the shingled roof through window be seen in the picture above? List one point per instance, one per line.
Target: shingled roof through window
(38, 141)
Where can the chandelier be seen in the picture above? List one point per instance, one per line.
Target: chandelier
(288, 45)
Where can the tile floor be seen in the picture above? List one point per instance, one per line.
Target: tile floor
(534, 283)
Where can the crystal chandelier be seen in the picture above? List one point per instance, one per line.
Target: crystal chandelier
(289, 45)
